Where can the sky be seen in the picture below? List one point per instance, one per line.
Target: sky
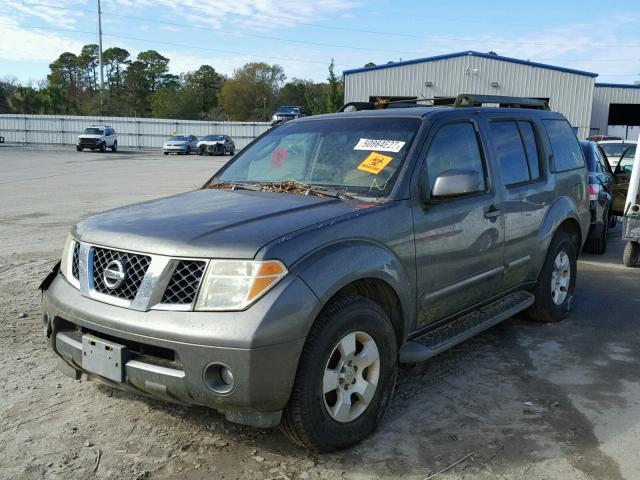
(303, 36)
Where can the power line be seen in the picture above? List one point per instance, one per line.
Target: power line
(357, 30)
(182, 45)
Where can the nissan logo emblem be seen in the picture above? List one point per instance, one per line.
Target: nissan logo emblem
(114, 274)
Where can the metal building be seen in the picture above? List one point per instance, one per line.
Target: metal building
(568, 91)
(616, 110)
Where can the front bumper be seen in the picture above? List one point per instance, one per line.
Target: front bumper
(174, 148)
(170, 350)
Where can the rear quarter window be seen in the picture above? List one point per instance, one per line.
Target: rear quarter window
(567, 153)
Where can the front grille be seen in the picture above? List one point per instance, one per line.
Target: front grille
(217, 148)
(89, 142)
(75, 261)
(184, 283)
(135, 266)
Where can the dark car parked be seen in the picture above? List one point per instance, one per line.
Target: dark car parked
(286, 113)
(601, 191)
(287, 289)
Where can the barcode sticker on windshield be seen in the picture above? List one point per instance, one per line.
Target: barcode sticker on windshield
(381, 145)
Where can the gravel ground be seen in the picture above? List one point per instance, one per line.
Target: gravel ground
(522, 400)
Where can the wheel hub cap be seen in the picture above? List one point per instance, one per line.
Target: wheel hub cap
(560, 277)
(351, 376)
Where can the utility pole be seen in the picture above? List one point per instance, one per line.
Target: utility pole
(100, 55)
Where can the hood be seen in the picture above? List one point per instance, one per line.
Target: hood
(175, 143)
(89, 135)
(209, 223)
(210, 142)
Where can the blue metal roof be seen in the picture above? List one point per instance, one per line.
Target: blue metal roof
(616, 85)
(470, 53)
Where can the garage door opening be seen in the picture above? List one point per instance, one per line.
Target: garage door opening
(624, 120)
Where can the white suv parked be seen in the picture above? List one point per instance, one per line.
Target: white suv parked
(98, 137)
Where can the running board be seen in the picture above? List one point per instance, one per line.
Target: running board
(457, 331)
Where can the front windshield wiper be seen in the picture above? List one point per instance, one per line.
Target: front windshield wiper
(302, 188)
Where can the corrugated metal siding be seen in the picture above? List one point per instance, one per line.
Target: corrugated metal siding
(570, 94)
(603, 97)
(132, 132)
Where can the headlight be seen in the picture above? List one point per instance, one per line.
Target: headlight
(65, 263)
(236, 284)
(275, 117)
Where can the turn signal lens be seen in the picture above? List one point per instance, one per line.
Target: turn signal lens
(65, 263)
(236, 284)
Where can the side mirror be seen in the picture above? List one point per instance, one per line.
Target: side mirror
(453, 183)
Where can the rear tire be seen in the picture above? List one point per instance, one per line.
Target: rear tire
(613, 221)
(345, 378)
(115, 147)
(631, 255)
(556, 282)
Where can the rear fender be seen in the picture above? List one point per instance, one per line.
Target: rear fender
(562, 209)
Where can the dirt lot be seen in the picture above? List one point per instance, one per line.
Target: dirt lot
(528, 401)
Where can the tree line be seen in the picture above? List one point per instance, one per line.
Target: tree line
(144, 87)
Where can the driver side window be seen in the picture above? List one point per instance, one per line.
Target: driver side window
(455, 146)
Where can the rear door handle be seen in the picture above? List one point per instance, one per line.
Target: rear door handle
(492, 212)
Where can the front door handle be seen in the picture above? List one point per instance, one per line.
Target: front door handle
(492, 212)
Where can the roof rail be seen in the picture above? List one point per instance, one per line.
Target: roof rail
(471, 100)
(382, 104)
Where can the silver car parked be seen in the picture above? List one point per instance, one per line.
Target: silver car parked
(184, 144)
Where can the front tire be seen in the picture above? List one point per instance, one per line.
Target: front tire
(187, 151)
(631, 255)
(103, 147)
(79, 149)
(556, 282)
(345, 376)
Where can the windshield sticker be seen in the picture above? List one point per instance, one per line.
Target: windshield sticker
(382, 145)
(278, 157)
(374, 163)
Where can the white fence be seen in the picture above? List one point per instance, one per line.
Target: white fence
(136, 133)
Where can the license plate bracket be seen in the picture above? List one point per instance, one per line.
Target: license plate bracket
(104, 358)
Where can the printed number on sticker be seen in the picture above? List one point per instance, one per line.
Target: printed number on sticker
(381, 145)
(374, 163)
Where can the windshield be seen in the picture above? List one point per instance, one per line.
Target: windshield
(359, 156)
(178, 138)
(288, 110)
(93, 131)
(214, 138)
(615, 149)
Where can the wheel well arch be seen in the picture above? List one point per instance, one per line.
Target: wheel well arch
(381, 293)
(572, 227)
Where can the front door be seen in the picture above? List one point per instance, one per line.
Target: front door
(459, 241)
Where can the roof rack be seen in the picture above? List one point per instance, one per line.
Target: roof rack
(383, 104)
(470, 100)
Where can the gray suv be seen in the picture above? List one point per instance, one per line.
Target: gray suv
(288, 288)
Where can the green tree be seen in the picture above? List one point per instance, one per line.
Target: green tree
(370, 64)
(65, 73)
(136, 88)
(88, 63)
(54, 100)
(7, 87)
(205, 83)
(115, 60)
(156, 68)
(25, 100)
(182, 103)
(252, 92)
(335, 93)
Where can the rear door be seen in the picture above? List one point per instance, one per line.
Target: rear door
(527, 192)
(459, 242)
(622, 176)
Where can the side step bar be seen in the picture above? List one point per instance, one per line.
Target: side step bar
(459, 330)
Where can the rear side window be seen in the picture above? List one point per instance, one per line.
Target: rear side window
(564, 143)
(531, 147)
(455, 146)
(510, 151)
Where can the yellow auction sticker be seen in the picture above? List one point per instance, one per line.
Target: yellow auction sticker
(374, 163)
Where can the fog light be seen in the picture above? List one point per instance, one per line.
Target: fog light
(218, 378)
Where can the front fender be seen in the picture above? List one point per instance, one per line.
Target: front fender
(330, 268)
